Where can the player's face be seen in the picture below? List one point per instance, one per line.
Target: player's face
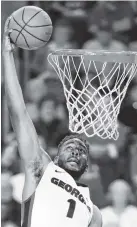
(73, 157)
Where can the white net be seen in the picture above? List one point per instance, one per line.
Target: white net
(94, 86)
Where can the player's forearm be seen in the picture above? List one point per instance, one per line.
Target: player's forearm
(13, 90)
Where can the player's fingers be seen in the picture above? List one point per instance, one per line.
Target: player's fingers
(12, 46)
(8, 32)
(7, 43)
(7, 24)
(7, 39)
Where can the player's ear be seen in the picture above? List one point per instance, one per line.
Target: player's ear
(86, 169)
(56, 160)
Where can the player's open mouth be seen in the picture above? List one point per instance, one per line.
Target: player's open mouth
(73, 160)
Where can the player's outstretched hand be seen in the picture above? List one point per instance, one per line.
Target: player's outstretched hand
(7, 45)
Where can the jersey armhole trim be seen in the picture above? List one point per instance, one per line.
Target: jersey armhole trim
(27, 207)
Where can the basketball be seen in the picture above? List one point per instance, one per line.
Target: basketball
(31, 27)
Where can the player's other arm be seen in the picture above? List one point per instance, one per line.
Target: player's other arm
(96, 218)
(26, 136)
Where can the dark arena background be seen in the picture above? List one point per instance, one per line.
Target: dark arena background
(76, 24)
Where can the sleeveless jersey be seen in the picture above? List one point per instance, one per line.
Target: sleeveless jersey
(58, 201)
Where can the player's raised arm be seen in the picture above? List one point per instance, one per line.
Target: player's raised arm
(26, 136)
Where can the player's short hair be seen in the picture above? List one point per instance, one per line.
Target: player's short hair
(74, 136)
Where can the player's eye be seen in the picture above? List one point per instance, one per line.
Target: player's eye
(82, 150)
(69, 148)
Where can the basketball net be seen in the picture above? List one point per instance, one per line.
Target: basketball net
(94, 86)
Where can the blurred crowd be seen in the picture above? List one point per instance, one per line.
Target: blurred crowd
(112, 174)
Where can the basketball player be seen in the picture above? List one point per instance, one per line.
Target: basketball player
(51, 197)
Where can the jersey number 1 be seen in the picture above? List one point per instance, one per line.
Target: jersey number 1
(72, 205)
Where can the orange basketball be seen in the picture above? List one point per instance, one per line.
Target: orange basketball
(31, 27)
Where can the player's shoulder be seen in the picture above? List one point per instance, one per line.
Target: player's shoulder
(52, 166)
(96, 220)
(97, 213)
(58, 169)
(106, 211)
(82, 185)
(84, 189)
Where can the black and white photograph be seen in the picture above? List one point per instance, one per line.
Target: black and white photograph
(69, 113)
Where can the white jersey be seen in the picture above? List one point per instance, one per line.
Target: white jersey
(58, 202)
